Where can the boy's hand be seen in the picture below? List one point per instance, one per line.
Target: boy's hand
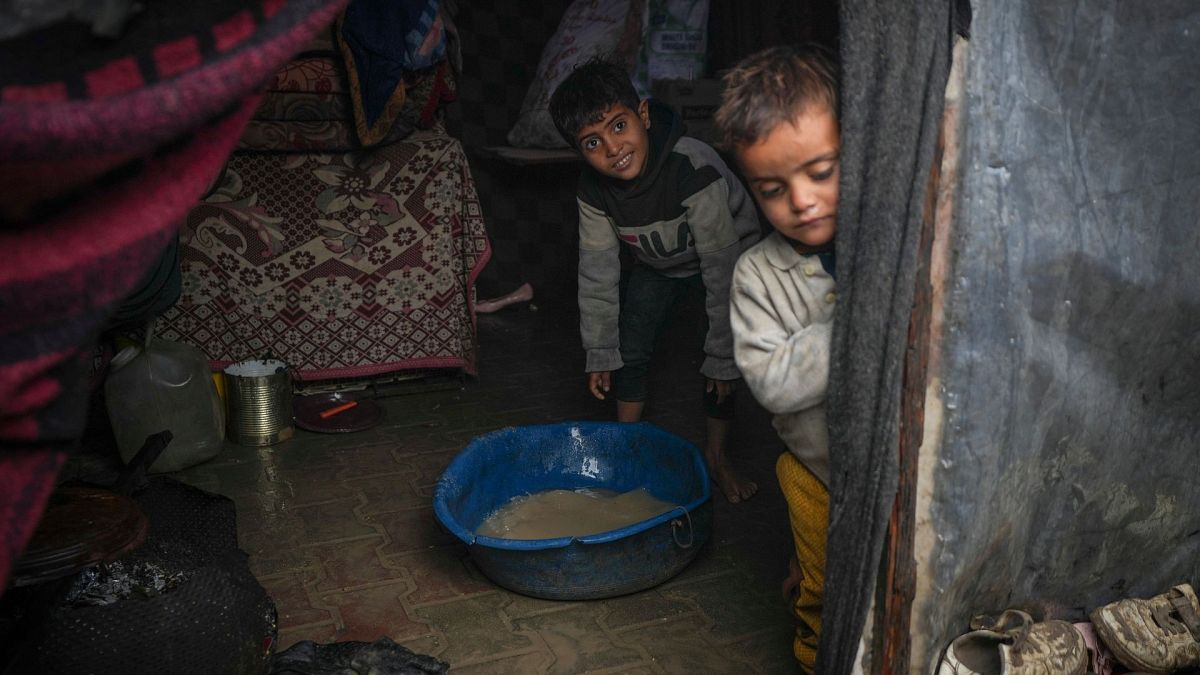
(599, 382)
(724, 388)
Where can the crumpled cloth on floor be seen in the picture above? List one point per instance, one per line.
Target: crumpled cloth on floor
(381, 657)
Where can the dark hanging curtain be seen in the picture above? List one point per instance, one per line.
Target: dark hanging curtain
(895, 59)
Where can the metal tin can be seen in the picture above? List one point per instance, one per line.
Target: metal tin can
(258, 402)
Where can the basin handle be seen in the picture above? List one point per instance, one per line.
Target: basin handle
(677, 523)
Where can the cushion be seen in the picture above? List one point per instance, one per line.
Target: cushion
(588, 28)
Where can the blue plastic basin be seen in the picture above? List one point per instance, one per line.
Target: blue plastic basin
(514, 461)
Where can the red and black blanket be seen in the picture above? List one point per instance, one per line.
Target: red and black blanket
(105, 142)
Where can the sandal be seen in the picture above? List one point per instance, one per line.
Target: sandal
(1013, 644)
(1158, 635)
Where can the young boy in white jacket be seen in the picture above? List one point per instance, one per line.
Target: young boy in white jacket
(779, 118)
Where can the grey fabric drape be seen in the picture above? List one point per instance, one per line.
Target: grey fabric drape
(895, 59)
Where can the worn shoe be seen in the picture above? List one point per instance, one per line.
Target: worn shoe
(1100, 660)
(1159, 635)
(1014, 645)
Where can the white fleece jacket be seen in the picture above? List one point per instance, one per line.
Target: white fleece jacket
(781, 314)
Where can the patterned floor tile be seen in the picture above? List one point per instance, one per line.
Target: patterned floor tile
(770, 651)
(292, 602)
(713, 560)
(309, 486)
(441, 573)
(306, 451)
(431, 643)
(417, 444)
(370, 460)
(265, 507)
(477, 629)
(332, 521)
(352, 564)
(642, 608)
(319, 633)
(520, 664)
(275, 529)
(579, 643)
(390, 491)
(371, 613)
(519, 606)
(681, 646)
(410, 529)
(430, 467)
(761, 549)
(633, 669)
(270, 557)
(733, 604)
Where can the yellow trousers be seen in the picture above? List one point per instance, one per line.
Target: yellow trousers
(808, 511)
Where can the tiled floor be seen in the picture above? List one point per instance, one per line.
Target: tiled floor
(341, 532)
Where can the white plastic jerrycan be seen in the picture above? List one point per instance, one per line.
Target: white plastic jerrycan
(165, 385)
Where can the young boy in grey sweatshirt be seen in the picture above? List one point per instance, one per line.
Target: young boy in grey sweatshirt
(684, 216)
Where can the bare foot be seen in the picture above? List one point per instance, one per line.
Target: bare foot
(791, 583)
(524, 293)
(735, 486)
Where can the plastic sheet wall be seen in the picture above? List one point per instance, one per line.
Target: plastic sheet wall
(1062, 455)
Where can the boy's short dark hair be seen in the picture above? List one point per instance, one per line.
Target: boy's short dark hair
(774, 86)
(587, 93)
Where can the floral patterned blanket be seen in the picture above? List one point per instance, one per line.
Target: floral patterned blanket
(341, 264)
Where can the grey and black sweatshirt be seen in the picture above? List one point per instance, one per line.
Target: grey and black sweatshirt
(686, 214)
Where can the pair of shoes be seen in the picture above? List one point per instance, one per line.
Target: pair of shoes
(1153, 636)
(1014, 644)
(1157, 635)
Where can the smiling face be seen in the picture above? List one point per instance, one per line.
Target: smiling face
(793, 174)
(618, 144)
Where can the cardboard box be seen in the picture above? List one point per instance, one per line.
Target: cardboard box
(695, 101)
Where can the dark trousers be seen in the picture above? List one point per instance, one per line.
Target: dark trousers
(649, 300)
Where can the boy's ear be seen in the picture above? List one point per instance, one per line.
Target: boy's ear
(644, 112)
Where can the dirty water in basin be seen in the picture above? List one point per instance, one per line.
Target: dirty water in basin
(571, 513)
